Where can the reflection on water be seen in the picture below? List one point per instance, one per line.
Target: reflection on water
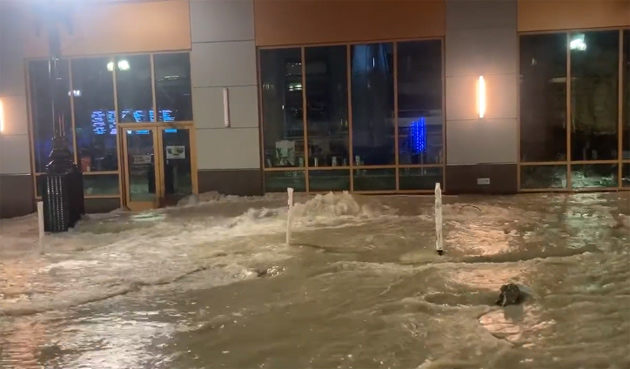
(213, 285)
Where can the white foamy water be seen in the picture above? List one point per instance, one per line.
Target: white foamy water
(211, 283)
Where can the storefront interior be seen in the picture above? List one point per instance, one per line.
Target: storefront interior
(128, 122)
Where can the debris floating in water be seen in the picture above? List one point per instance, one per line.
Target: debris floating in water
(511, 294)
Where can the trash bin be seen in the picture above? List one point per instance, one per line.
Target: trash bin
(62, 195)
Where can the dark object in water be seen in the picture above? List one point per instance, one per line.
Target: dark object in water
(440, 252)
(511, 294)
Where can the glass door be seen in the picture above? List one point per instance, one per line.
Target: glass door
(142, 178)
(175, 165)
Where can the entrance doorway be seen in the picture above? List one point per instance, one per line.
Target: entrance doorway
(158, 165)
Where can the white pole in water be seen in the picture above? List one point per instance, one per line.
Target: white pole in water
(289, 208)
(439, 243)
(40, 218)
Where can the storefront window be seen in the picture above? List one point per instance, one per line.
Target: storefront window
(134, 88)
(420, 115)
(543, 176)
(282, 108)
(41, 109)
(594, 96)
(349, 94)
(279, 181)
(95, 114)
(372, 76)
(543, 105)
(374, 179)
(173, 87)
(584, 176)
(327, 106)
(329, 180)
(412, 179)
(101, 185)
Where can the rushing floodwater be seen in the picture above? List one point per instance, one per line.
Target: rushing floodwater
(213, 285)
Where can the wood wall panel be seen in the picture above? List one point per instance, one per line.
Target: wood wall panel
(113, 27)
(543, 15)
(299, 22)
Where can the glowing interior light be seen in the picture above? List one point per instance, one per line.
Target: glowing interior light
(418, 136)
(481, 97)
(578, 43)
(1, 117)
(123, 65)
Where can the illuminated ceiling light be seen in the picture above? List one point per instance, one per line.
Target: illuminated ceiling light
(578, 43)
(123, 65)
(1, 117)
(75, 93)
(481, 97)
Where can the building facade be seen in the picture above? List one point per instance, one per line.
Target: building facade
(172, 97)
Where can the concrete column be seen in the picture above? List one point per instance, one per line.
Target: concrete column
(16, 182)
(224, 56)
(481, 40)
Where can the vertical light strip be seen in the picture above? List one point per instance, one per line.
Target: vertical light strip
(481, 97)
(226, 107)
(1, 116)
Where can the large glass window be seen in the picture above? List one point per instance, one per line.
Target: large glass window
(100, 185)
(350, 98)
(626, 95)
(544, 176)
(173, 87)
(98, 93)
(134, 88)
(420, 115)
(594, 95)
(373, 139)
(327, 106)
(95, 114)
(282, 101)
(593, 121)
(543, 106)
(41, 109)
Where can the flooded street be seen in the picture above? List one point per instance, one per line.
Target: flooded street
(213, 285)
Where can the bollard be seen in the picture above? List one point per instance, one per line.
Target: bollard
(289, 208)
(439, 243)
(40, 218)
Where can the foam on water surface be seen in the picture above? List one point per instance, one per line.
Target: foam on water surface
(362, 279)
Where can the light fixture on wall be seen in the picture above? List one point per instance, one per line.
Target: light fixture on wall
(481, 97)
(1, 117)
(226, 107)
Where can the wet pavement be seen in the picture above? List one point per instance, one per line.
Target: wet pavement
(213, 285)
